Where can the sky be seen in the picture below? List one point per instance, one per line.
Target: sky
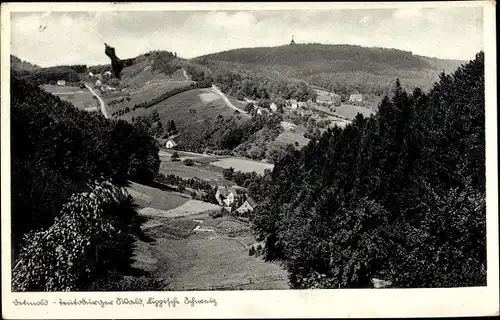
(58, 38)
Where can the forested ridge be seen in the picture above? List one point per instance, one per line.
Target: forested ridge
(398, 196)
(343, 69)
(57, 153)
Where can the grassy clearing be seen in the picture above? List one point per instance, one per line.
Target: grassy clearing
(139, 95)
(80, 98)
(223, 263)
(186, 259)
(348, 111)
(289, 137)
(187, 109)
(155, 198)
(243, 165)
(190, 207)
(210, 174)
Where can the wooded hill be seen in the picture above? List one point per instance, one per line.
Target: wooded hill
(399, 196)
(344, 69)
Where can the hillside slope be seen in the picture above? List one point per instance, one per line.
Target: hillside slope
(341, 68)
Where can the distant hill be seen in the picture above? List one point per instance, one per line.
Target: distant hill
(341, 68)
(302, 60)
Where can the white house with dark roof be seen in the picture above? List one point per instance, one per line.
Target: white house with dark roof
(248, 206)
(170, 144)
(226, 196)
(356, 97)
(273, 107)
(292, 103)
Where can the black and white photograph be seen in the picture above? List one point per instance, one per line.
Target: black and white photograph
(247, 149)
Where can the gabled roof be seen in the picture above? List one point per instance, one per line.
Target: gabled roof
(226, 191)
(251, 202)
(173, 142)
(292, 101)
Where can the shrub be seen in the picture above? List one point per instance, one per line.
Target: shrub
(251, 251)
(216, 213)
(63, 256)
(175, 156)
(188, 162)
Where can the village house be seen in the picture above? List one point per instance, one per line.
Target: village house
(356, 97)
(329, 99)
(248, 206)
(226, 196)
(170, 144)
(301, 104)
(273, 107)
(61, 82)
(98, 83)
(292, 103)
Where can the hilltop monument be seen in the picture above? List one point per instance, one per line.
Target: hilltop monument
(116, 63)
(292, 42)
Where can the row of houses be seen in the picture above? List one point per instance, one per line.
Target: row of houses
(98, 76)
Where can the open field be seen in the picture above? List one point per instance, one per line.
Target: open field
(243, 165)
(349, 111)
(156, 198)
(205, 172)
(80, 98)
(199, 254)
(187, 109)
(190, 207)
(188, 250)
(289, 137)
(148, 91)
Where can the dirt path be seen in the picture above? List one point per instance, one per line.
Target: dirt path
(101, 102)
(227, 101)
(185, 75)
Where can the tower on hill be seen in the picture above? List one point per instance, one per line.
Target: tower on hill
(292, 42)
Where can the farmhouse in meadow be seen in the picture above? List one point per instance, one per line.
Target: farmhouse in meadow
(61, 82)
(248, 206)
(170, 144)
(356, 97)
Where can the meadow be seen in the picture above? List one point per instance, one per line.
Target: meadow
(189, 250)
(187, 109)
(243, 165)
(80, 98)
(197, 253)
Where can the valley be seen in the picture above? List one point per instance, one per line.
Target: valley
(190, 250)
(251, 169)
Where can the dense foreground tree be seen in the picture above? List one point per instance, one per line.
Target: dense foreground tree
(398, 196)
